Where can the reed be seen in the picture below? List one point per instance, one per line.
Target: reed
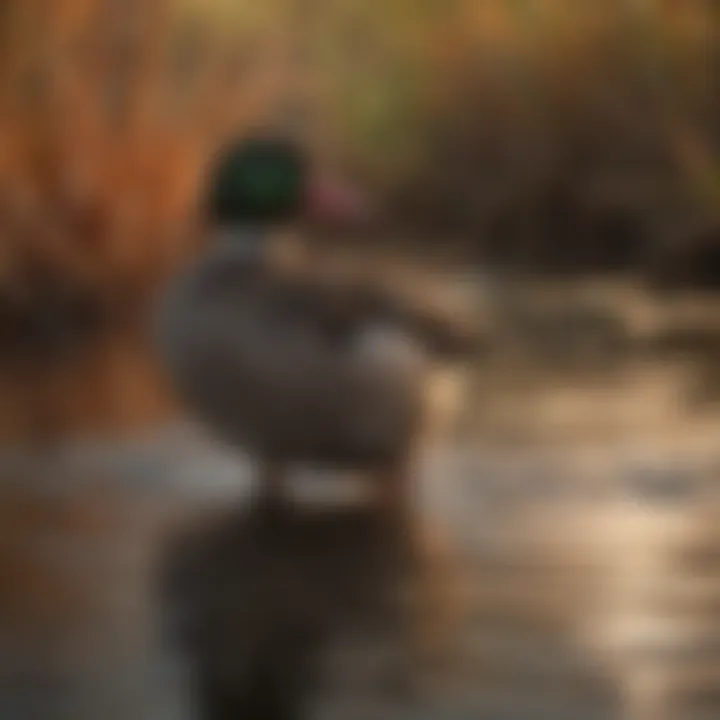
(109, 113)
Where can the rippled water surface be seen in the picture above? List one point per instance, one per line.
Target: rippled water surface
(582, 507)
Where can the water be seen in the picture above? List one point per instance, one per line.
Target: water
(579, 507)
(577, 603)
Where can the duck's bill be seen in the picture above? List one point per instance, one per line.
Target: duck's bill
(331, 200)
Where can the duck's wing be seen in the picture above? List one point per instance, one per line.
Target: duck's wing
(445, 331)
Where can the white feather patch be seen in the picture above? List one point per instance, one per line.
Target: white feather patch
(388, 346)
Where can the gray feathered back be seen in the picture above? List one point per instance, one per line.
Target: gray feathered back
(250, 354)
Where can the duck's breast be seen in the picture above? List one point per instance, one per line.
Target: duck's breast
(272, 382)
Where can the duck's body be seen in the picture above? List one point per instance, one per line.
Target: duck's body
(289, 367)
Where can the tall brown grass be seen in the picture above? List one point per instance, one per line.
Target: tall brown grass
(109, 112)
(608, 104)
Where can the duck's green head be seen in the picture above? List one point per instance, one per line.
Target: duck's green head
(271, 181)
(258, 181)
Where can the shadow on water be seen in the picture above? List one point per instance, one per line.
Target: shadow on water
(259, 597)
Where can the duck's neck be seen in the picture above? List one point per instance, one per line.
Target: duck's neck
(282, 247)
(250, 241)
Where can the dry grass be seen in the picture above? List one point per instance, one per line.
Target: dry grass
(108, 115)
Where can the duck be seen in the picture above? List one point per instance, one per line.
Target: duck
(281, 356)
(295, 360)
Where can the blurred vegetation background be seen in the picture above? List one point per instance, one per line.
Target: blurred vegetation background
(542, 135)
(543, 140)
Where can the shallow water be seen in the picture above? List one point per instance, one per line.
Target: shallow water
(583, 592)
(582, 505)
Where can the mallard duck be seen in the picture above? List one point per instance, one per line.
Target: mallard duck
(290, 363)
